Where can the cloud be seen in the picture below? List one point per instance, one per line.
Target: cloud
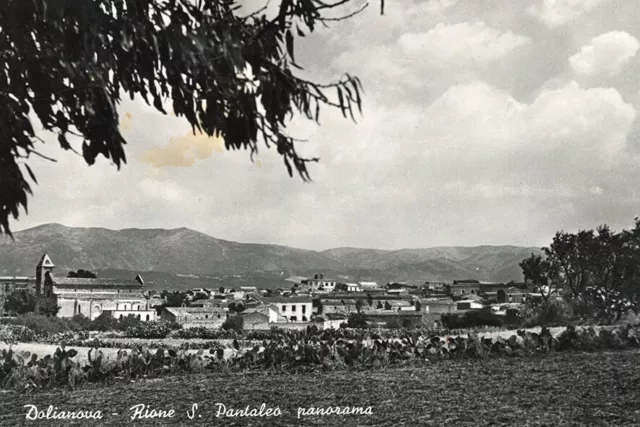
(461, 45)
(555, 13)
(182, 151)
(605, 55)
(474, 132)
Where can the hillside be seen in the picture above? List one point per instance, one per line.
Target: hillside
(185, 258)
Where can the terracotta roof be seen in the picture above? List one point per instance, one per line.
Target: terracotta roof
(100, 295)
(95, 283)
(286, 300)
(187, 311)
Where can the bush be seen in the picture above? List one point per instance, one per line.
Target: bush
(81, 323)
(471, 319)
(201, 332)
(105, 322)
(16, 333)
(357, 320)
(232, 324)
(148, 330)
(44, 325)
(554, 312)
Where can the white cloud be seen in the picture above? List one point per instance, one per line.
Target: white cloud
(556, 13)
(606, 54)
(462, 44)
(458, 144)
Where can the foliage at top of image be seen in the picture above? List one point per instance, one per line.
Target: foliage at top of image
(229, 76)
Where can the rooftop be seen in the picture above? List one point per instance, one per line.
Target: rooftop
(286, 300)
(95, 283)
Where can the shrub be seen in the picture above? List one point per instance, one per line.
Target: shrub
(232, 324)
(127, 322)
(43, 325)
(471, 319)
(105, 322)
(357, 320)
(198, 332)
(81, 323)
(554, 312)
(148, 330)
(16, 333)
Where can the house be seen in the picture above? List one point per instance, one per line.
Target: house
(398, 291)
(208, 303)
(260, 318)
(91, 296)
(347, 287)
(294, 309)
(463, 288)
(342, 303)
(319, 283)
(436, 306)
(368, 285)
(188, 317)
(469, 304)
(400, 318)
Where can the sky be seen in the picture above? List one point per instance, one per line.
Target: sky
(484, 123)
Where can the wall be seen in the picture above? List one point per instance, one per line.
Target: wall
(301, 309)
(297, 326)
(207, 323)
(140, 314)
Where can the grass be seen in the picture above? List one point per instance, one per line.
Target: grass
(562, 389)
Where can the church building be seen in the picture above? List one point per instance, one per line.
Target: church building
(91, 296)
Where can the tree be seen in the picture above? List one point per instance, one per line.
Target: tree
(84, 274)
(541, 273)
(20, 302)
(174, 299)
(599, 268)
(49, 307)
(228, 75)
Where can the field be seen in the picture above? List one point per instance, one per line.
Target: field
(558, 389)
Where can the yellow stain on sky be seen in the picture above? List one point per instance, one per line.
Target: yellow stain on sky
(183, 151)
(126, 121)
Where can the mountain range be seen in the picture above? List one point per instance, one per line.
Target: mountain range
(183, 258)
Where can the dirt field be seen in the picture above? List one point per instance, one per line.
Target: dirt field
(564, 389)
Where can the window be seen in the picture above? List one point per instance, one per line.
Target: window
(304, 308)
(293, 308)
(304, 318)
(206, 316)
(147, 317)
(293, 318)
(218, 316)
(284, 308)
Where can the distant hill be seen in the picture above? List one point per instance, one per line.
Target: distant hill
(183, 258)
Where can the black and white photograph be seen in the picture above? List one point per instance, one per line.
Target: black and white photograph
(319, 213)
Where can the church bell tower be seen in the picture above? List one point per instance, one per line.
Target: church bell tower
(44, 266)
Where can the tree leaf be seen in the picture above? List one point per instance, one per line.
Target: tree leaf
(289, 41)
